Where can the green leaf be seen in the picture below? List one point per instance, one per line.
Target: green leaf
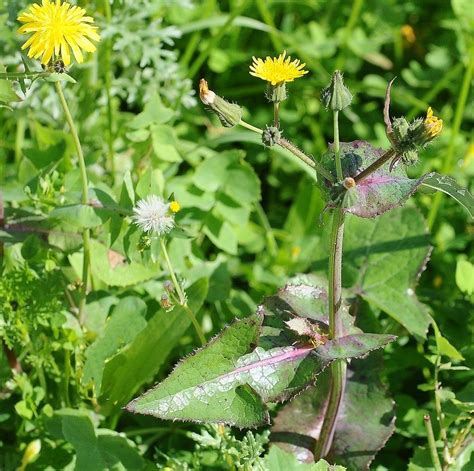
(465, 276)
(123, 325)
(451, 187)
(230, 380)
(112, 268)
(7, 93)
(56, 77)
(94, 451)
(279, 460)
(164, 143)
(383, 258)
(443, 345)
(136, 364)
(221, 234)
(154, 113)
(77, 215)
(365, 423)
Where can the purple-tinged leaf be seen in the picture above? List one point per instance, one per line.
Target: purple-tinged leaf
(231, 379)
(380, 192)
(365, 423)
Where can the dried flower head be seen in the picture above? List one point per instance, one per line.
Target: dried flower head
(432, 124)
(152, 214)
(277, 70)
(57, 27)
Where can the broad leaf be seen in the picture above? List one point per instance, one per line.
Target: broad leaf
(112, 268)
(451, 187)
(95, 450)
(365, 423)
(77, 215)
(232, 378)
(382, 260)
(136, 364)
(124, 324)
(381, 191)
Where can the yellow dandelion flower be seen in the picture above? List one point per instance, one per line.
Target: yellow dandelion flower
(433, 125)
(57, 28)
(175, 207)
(277, 70)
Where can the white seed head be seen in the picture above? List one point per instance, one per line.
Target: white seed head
(152, 215)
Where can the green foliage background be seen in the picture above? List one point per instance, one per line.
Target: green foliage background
(254, 215)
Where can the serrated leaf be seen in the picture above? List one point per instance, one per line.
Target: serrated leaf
(451, 187)
(365, 422)
(136, 364)
(381, 191)
(207, 386)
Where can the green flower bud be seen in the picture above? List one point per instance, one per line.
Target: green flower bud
(276, 93)
(271, 135)
(336, 96)
(229, 114)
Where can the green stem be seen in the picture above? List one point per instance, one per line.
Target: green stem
(373, 167)
(19, 139)
(66, 376)
(286, 144)
(182, 297)
(337, 147)
(439, 412)
(250, 127)
(85, 198)
(339, 367)
(272, 245)
(432, 443)
(22, 75)
(276, 112)
(448, 162)
(108, 86)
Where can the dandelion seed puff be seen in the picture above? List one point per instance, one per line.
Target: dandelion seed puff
(152, 214)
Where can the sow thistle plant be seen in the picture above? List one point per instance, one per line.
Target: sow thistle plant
(306, 328)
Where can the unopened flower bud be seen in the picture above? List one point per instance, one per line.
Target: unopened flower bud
(168, 285)
(229, 114)
(336, 96)
(270, 136)
(349, 183)
(31, 452)
(165, 302)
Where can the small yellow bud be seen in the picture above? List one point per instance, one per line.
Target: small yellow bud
(31, 453)
(408, 33)
(175, 206)
(349, 183)
(433, 125)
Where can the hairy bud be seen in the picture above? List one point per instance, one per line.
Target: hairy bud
(229, 114)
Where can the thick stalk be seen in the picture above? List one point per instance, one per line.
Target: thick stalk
(182, 297)
(440, 414)
(84, 199)
(373, 167)
(338, 368)
(276, 113)
(337, 147)
(432, 443)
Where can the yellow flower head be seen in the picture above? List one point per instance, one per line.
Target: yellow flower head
(57, 27)
(277, 70)
(433, 125)
(175, 207)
